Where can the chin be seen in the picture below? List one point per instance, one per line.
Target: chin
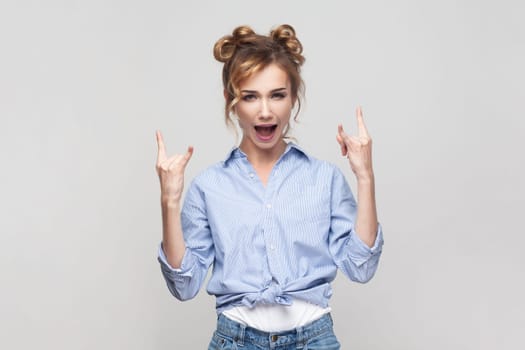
(271, 145)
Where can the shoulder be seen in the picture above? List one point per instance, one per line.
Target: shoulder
(315, 162)
(217, 173)
(321, 169)
(210, 175)
(202, 183)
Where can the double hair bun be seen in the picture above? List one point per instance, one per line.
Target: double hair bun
(244, 36)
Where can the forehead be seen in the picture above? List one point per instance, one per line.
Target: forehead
(269, 78)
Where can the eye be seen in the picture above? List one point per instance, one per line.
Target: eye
(278, 95)
(249, 97)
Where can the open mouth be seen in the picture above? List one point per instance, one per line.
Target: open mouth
(265, 132)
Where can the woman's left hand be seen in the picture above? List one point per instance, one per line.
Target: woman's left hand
(358, 149)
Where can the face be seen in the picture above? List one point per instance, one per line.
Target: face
(264, 110)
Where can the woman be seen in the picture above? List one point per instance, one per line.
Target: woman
(275, 222)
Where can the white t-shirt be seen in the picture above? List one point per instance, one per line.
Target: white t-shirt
(277, 318)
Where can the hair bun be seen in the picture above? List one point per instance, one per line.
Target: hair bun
(225, 47)
(242, 32)
(285, 35)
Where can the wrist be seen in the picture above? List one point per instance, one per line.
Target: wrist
(365, 178)
(169, 201)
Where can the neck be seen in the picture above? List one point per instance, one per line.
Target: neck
(263, 157)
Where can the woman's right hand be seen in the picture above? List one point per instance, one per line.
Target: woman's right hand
(171, 171)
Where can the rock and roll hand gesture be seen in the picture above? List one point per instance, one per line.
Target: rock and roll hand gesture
(358, 149)
(171, 171)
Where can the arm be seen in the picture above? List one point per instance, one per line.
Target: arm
(183, 266)
(171, 175)
(172, 238)
(356, 236)
(355, 258)
(366, 221)
(185, 281)
(358, 149)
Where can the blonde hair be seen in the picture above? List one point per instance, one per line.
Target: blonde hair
(244, 53)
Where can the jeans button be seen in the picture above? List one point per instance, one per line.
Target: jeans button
(275, 337)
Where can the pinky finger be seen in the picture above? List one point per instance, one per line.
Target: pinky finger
(188, 154)
(341, 144)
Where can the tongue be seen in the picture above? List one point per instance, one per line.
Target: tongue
(265, 130)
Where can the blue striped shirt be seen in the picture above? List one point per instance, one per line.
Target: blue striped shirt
(269, 244)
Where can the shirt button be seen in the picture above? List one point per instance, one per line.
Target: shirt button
(251, 175)
(272, 247)
(269, 206)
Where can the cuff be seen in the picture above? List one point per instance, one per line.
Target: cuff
(359, 252)
(185, 267)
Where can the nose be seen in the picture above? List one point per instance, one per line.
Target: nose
(265, 112)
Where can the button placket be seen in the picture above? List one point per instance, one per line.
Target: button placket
(271, 235)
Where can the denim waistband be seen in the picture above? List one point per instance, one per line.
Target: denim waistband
(300, 336)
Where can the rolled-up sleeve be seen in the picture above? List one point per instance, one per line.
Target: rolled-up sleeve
(185, 282)
(352, 256)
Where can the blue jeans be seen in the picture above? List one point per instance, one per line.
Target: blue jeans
(318, 335)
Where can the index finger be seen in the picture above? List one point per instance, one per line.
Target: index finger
(361, 123)
(161, 146)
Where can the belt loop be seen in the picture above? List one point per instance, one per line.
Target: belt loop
(240, 336)
(300, 337)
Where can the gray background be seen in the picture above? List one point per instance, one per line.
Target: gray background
(85, 84)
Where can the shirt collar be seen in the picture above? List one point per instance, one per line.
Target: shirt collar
(236, 152)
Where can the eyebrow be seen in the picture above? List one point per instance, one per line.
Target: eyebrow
(255, 92)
